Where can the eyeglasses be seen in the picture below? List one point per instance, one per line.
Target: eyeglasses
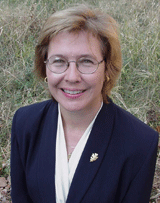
(84, 65)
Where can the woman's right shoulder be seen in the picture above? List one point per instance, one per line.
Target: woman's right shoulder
(30, 114)
(39, 106)
(34, 108)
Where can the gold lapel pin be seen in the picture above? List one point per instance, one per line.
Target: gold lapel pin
(93, 157)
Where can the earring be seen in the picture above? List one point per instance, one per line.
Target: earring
(46, 80)
(108, 79)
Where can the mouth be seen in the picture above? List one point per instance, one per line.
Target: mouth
(72, 92)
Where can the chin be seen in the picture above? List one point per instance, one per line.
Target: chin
(73, 107)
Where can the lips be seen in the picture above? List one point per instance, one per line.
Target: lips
(72, 92)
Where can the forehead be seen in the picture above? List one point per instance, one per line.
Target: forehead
(75, 44)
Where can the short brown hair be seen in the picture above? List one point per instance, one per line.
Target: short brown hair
(83, 18)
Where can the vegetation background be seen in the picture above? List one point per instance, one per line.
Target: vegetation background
(138, 89)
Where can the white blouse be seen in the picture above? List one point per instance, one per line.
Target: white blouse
(64, 170)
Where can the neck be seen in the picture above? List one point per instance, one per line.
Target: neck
(79, 119)
(75, 123)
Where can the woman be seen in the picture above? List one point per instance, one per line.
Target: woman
(80, 146)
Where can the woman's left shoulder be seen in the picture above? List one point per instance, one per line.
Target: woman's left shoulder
(134, 141)
(132, 130)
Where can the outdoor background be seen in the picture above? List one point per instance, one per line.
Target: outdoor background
(138, 89)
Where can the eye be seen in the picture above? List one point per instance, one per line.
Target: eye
(86, 62)
(57, 61)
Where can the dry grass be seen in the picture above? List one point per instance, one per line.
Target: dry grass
(138, 89)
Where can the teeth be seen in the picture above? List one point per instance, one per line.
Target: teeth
(72, 92)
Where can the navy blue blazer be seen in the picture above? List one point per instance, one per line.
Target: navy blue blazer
(123, 172)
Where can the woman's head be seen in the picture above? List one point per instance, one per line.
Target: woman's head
(93, 21)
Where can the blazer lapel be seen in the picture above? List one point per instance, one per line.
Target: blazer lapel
(97, 143)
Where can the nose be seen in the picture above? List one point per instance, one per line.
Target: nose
(72, 74)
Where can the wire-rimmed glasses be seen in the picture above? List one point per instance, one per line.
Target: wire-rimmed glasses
(85, 65)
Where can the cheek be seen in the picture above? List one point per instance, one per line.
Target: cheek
(52, 83)
(49, 74)
(100, 81)
(53, 79)
(97, 83)
(50, 78)
(101, 77)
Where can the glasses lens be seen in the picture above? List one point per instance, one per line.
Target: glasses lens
(87, 65)
(57, 64)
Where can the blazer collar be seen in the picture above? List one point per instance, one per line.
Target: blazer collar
(97, 143)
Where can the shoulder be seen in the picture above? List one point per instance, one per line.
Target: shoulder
(126, 121)
(129, 122)
(132, 141)
(130, 133)
(35, 108)
(32, 115)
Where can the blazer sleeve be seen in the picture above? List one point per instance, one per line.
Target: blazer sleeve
(19, 191)
(140, 187)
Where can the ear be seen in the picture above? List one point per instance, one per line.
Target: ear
(106, 77)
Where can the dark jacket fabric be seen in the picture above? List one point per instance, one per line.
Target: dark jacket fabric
(123, 172)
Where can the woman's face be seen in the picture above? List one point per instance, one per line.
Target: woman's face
(73, 90)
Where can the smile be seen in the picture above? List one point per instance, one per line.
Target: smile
(72, 92)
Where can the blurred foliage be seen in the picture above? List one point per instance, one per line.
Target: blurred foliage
(138, 89)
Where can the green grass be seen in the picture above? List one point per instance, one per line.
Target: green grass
(138, 89)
